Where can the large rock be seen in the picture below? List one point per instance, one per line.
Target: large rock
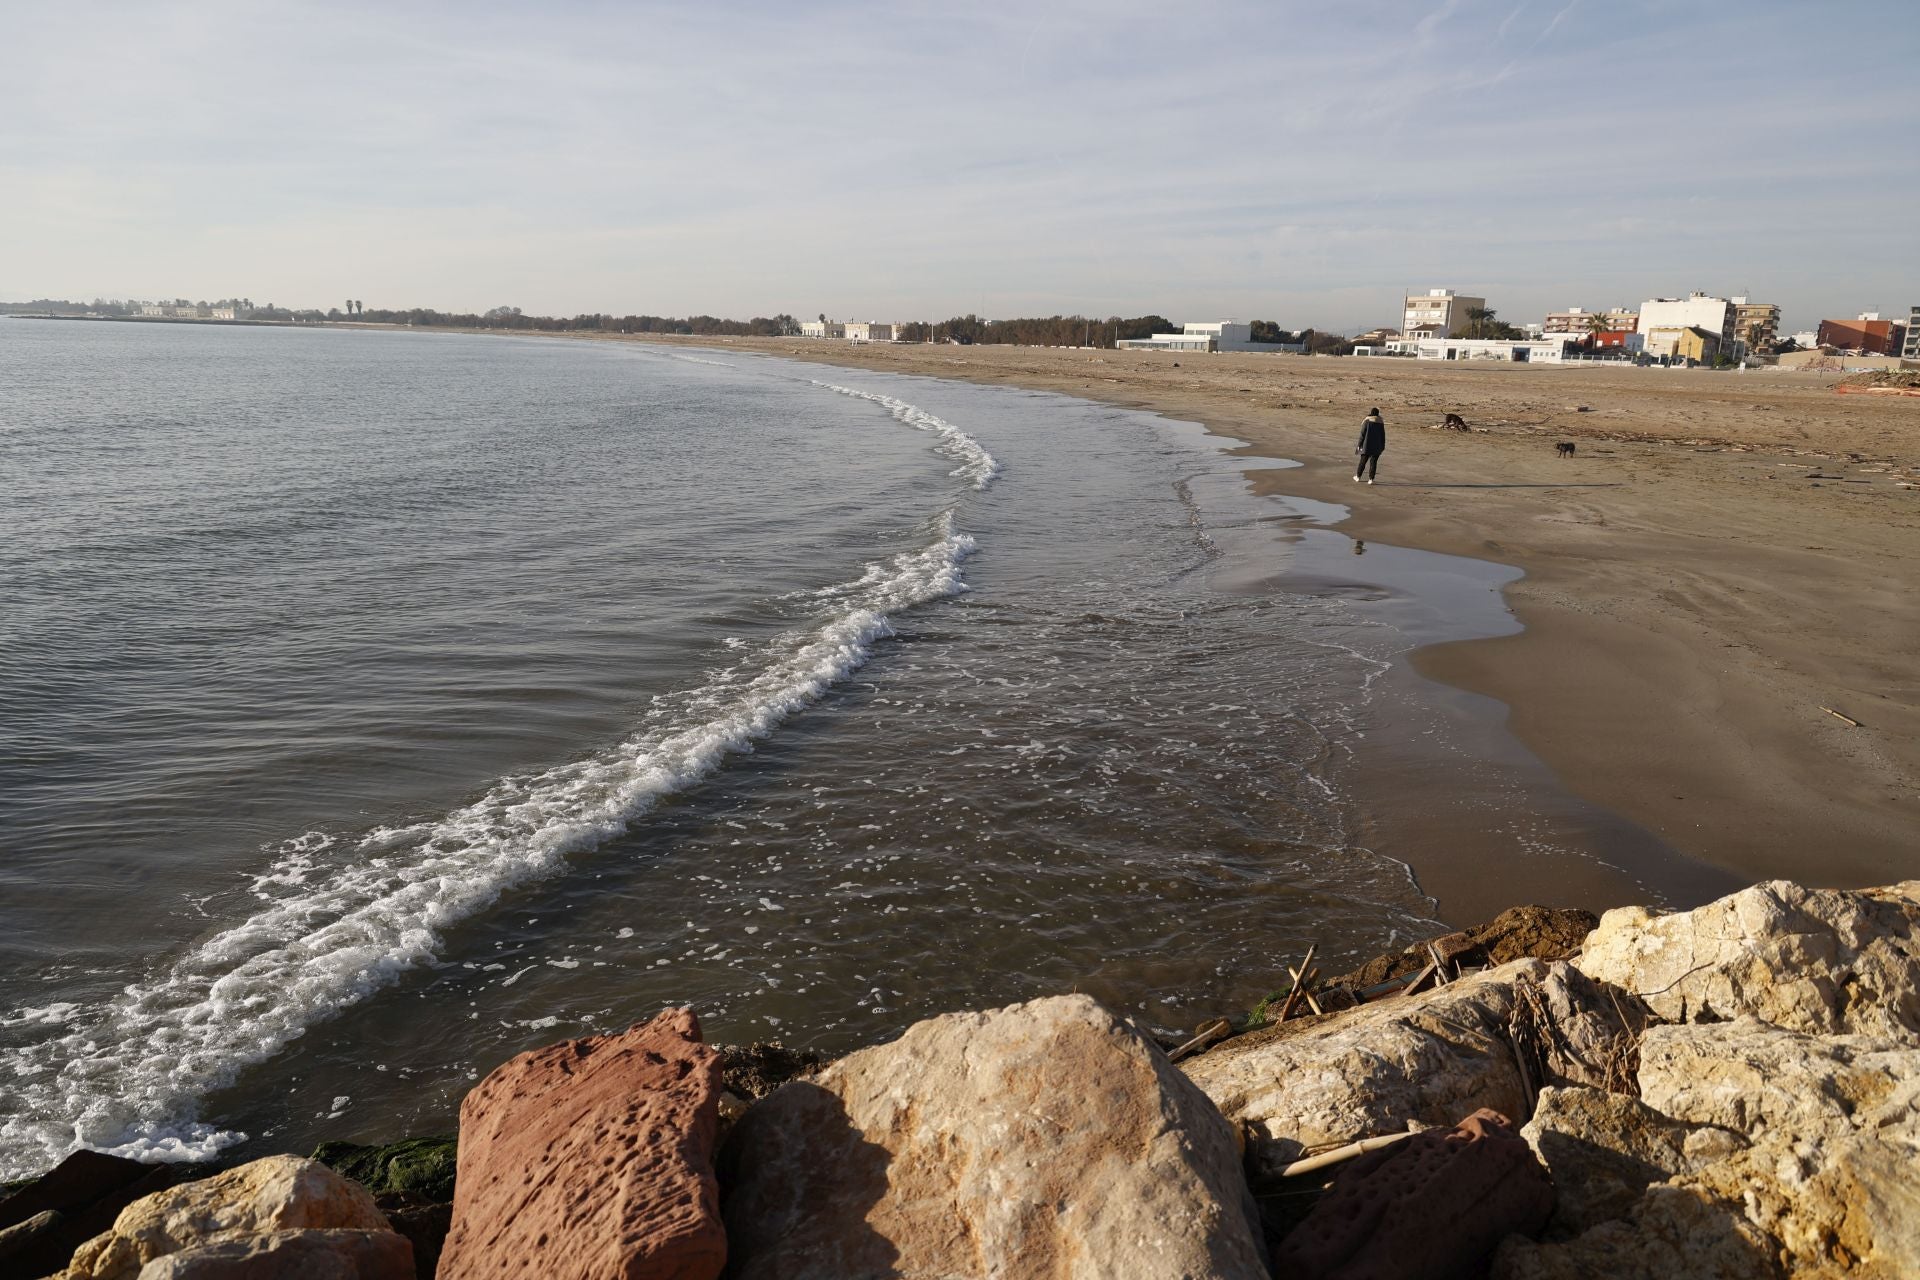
(1425, 1059)
(1049, 1138)
(593, 1157)
(44, 1221)
(1605, 1149)
(291, 1255)
(1817, 1182)
(1819, 960)
(1430, 1208)
(279, 1193)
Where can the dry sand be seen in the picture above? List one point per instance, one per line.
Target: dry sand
(1727, 554)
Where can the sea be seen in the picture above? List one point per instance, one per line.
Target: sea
(377, 705)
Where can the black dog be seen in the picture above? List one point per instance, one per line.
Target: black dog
(1455, 422)
(1564, 448)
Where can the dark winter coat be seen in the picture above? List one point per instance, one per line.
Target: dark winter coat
(1373, 437)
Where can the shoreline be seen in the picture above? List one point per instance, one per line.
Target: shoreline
(1693, 601)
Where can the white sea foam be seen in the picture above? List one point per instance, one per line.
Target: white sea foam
(977, 466)
(127, 1075)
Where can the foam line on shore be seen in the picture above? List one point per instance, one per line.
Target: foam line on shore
(128, 1075)
(977, 466)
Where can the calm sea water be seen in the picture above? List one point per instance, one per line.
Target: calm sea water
(375, 706)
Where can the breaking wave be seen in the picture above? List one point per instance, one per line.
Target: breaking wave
(127, 1076)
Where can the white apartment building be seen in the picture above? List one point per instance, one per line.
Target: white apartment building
(1696, 311)
(822, 329)
(1911, 351)
(1438, 313)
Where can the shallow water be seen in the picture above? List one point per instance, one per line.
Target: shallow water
(379, 705)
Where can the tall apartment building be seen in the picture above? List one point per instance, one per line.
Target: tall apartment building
(1438, 313)
(1756, 323)
(1911, 350)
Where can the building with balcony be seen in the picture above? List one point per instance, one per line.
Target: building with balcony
(1438, 313)
(1910, 349)
(1756, 323)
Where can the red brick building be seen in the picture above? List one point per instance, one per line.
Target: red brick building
(1869, 335)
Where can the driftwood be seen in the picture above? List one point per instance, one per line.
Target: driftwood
(1340, 1155)
(1209, 1035)
(1836, 715)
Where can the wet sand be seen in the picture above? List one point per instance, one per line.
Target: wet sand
(1726, 555)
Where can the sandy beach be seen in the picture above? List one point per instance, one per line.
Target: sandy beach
(1727, 557)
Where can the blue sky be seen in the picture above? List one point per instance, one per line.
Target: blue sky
(1297, 162)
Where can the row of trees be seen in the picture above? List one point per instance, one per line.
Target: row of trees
(1047, 331)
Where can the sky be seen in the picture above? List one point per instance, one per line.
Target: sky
(1306, 163)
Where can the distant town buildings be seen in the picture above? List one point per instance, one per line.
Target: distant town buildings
(1868, 335)
(1439, 313)
(1910, 350)
(163, 311)
(851, 330)
(1207, 335)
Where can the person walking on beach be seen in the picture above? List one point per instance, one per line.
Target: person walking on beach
(1373, 443)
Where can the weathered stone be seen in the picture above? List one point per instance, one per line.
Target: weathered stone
(291, 1255)
(87, 1191)
(1605, 1149)
(1819, 1183)
(595, 1157)
(419, 1166)
(1427, 1058)
(1048, 1138)
(1569, 1029)
(279, 1193)
(1675, 1233)
(1431, 1208)
(1818, 960)
(755, 1070)
(423, 1222)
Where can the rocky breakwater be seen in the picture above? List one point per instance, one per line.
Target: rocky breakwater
(1727, 1092)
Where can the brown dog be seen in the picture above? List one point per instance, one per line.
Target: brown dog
(1455, 422)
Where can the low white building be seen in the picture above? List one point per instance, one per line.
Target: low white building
(851, 330)
(1548, 350)
(1207, 335)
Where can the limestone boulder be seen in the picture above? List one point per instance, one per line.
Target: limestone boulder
(1816, 960)
(291, 1255)
(1605, 1149)
(1766, 1152)
(1049, 1138)
(595, 1157)
(1422, 1060)
(279, 1193)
